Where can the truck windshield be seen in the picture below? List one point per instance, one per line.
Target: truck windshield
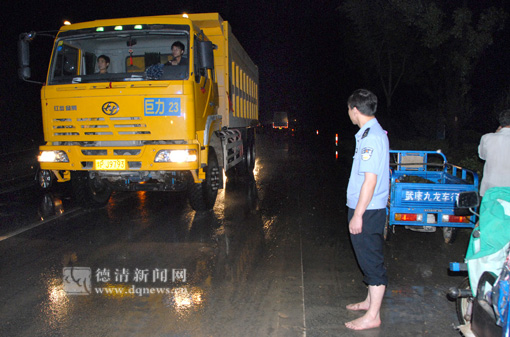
(109, 54)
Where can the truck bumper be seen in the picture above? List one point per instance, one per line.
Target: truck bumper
(136, 158)
(135, 164)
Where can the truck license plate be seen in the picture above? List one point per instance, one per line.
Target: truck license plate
(110, 164)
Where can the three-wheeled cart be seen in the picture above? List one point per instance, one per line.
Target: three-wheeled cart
(423, 190)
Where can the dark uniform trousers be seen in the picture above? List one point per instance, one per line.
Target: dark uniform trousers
(368, 246)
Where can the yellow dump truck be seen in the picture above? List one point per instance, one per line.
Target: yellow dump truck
(152, 120)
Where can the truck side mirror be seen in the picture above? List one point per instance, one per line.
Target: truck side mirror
(24, 59)
(205, 52)
(468, 199)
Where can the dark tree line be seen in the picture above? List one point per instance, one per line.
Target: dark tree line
(429, 46)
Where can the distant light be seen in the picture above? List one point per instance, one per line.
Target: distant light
(185, 15)
(138, 27)
(67, 23)
(118, 28)
(100, 29)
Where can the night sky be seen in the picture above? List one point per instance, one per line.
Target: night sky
(299, 47)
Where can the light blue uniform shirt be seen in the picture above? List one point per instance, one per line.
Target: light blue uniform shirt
(372, 155)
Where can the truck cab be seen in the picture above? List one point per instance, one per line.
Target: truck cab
(146, 123)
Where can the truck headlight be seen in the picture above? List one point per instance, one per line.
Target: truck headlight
(53, 157)
(176, 156)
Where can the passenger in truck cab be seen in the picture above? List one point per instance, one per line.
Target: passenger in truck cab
(103, 62)
(177, 54)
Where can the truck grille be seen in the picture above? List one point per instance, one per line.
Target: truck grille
(116, 152)
(99, 126)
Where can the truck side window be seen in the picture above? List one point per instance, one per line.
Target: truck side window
(198, 69)
(196, 66)
(66, 62)
(90, 63)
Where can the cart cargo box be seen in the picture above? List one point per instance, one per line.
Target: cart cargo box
(423, 190)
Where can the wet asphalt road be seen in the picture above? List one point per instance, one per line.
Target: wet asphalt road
(272, 259)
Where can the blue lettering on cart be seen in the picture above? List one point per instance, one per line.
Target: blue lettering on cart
(162, 107)
(430, 196)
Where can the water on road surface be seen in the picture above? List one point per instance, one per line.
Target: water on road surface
(272, 259)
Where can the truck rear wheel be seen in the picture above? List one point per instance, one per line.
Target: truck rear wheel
(248, 163)
(202, 196)
(90, 192)
(252, 153)
(246, 166)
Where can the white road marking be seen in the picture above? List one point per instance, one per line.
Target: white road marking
(37, 224)
(302, 284)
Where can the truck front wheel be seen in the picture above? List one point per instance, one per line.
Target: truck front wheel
(90, 192)
(202, 196)
(44, 179)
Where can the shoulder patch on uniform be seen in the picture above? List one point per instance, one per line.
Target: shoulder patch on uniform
(365, 133)
(366, 153)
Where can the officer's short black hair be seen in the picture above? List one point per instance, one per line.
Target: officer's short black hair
(504, 118)
(364, 100)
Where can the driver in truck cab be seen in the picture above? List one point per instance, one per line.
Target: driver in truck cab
(103, 62)
(177, 54)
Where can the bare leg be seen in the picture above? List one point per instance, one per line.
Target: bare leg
(372, 318)
(363, 305)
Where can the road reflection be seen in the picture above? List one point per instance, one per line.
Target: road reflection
(56, 308)
(50, 206)
(151, 230)
(243, 229)
(185, 300)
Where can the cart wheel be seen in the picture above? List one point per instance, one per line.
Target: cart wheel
(449, 234)
(464, 304)
(388, 229)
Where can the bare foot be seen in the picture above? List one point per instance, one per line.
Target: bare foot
(358, 306)
(364, 323)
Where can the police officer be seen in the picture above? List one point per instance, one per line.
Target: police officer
(367, 196)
